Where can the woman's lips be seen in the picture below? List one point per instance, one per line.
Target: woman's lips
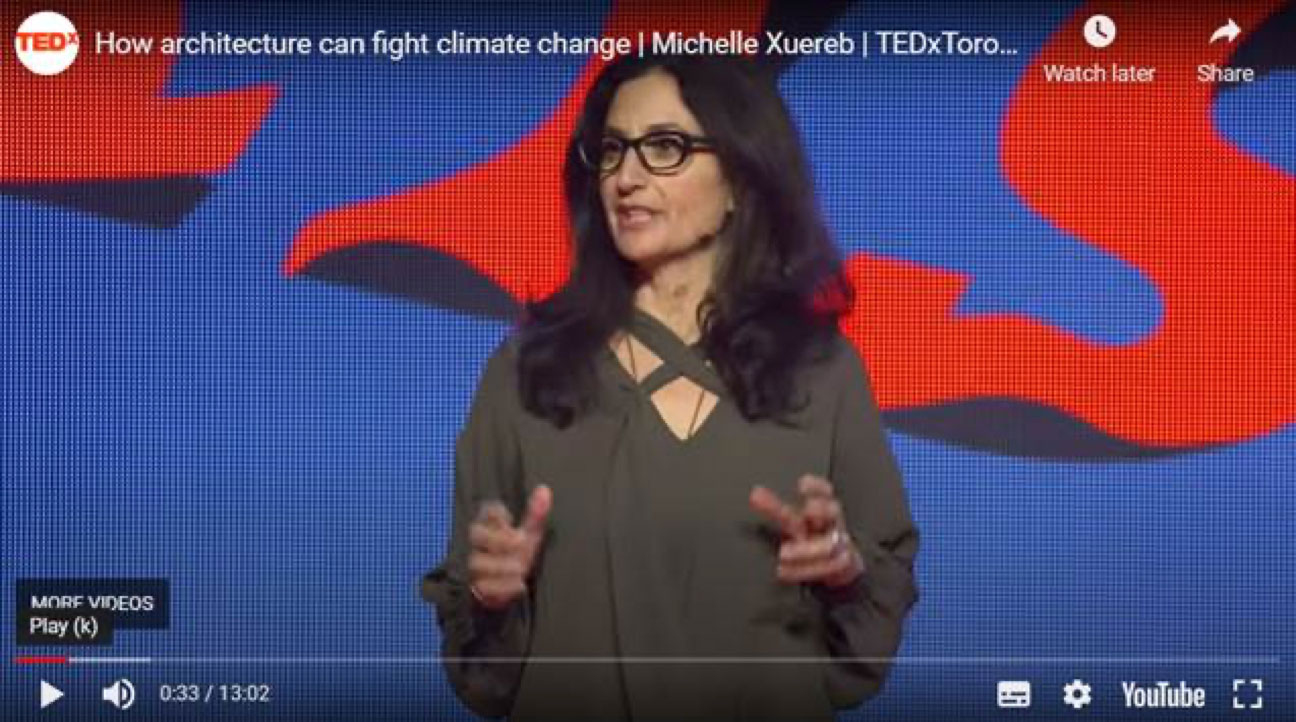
(634, 218)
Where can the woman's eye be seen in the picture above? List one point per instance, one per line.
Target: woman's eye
(610, 150)
(666, 144)
(665, 150)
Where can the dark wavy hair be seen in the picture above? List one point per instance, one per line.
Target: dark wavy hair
(778, 292)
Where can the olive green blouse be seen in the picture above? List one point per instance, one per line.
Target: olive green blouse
(655, 596)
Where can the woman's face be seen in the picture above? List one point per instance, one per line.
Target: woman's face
(656, 216)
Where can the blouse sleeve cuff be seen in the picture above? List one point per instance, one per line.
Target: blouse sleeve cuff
(465, 621)
(852, 593)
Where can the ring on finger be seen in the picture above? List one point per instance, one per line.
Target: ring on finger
(836, 540)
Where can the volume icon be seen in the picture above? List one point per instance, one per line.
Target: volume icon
(120, 694)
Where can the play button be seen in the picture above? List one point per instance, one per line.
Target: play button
(49, 694)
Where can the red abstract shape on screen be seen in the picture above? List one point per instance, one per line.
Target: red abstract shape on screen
(505, 217)
(1140, 171)
(105, 117)
(1105, 162)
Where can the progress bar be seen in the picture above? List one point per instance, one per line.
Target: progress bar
(34, 660)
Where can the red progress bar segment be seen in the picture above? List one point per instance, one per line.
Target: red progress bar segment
(40, 660)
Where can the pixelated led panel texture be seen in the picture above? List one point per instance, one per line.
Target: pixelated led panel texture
(246, 301)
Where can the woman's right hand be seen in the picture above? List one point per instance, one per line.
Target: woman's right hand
(502, 555)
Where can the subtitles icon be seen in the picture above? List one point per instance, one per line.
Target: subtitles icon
(1014, 694)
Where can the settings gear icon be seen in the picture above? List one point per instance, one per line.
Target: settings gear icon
(1077, 694)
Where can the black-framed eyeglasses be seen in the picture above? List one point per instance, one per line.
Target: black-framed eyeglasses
(661, 152)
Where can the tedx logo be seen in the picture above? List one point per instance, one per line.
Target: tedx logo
(47, 43)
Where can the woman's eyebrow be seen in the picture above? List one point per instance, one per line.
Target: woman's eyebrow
(654, 128)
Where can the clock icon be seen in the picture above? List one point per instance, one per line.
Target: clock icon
(1099, 31)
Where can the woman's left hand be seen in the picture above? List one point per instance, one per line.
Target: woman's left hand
(816, 547)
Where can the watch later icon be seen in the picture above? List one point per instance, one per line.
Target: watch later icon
(1100, 31)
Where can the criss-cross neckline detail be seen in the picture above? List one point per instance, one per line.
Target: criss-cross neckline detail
(678, 359)
(697, 408)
